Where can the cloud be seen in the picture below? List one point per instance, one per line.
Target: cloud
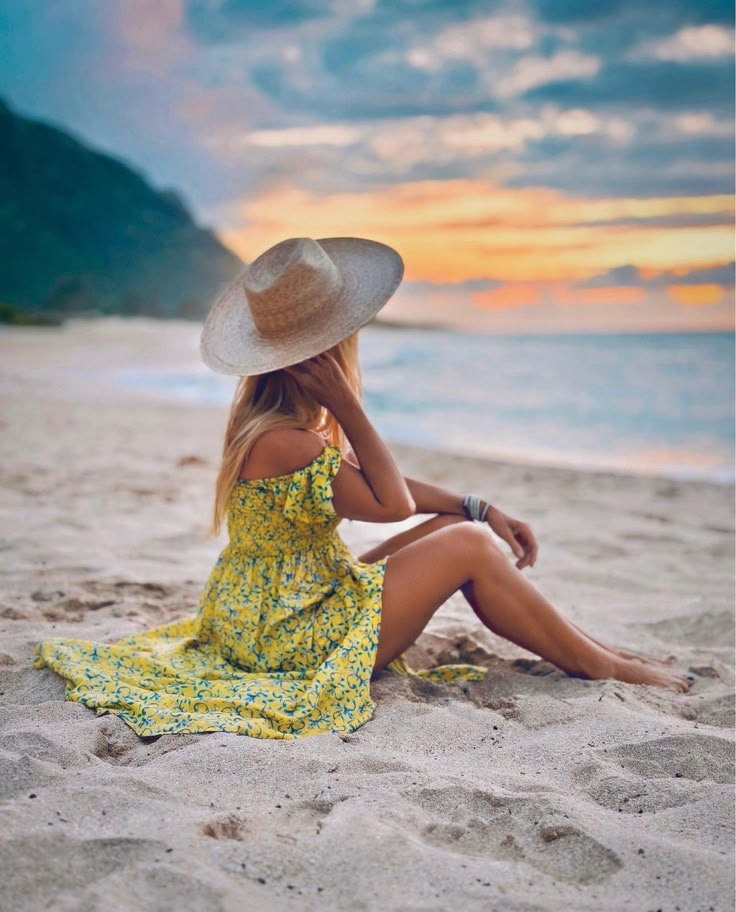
(709, 275)
(579, 151)
(530, 72)
(467, 286)
(702, 123)
(696, 295)
(461, 230)
(668, 85)
(410, 140)
(508, 297)
(628, 275)
(690, 43)
(559, 307)
(472, 40)
(338, 134)
(620, 275)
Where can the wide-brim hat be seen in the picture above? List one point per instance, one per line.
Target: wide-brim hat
(297, 299)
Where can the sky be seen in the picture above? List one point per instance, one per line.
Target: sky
(541, 166)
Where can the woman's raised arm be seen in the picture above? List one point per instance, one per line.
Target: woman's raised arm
(377, 491)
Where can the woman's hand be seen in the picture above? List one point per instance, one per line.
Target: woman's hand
(515, 533)
(323, 378)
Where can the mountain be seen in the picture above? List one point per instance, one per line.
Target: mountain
(80, 230)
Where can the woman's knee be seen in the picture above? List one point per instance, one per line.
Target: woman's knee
(475, 536)
(474, 542)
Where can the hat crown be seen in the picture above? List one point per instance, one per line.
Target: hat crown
(289, 285)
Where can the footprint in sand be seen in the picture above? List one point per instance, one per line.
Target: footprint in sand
(117, 744)
(74, 609)
(657, 775)
(692, 756)
(286, 822)
(230, 826)
(605, 784)
(44, 595)
(504, 706)
(11, 613)
(154, 590)
(527, 829)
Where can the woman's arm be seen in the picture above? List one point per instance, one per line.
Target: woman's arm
(377, 491)
(432, 499)
(428, 498)
(376, 462)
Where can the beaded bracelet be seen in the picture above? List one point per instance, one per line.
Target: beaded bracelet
(471, 506)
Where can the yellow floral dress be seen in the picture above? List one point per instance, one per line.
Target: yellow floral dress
(283, 643)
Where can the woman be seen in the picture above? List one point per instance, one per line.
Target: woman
(292, 627)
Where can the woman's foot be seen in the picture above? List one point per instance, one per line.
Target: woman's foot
(627, 653)
(638, 657)
(634, 671)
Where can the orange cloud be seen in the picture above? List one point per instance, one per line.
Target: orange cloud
(451, 231)
(560, 293)
(507, 297)
(696, 295)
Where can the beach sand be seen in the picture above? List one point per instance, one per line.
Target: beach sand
(527, 791)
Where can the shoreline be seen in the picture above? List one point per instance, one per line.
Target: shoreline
(174, 345)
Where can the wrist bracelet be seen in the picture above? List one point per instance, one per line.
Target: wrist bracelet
(472, 508)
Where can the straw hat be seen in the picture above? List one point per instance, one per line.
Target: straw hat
(296, 300)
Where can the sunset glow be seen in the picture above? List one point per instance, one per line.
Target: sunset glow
(533, 163)
(458, 230)
(696, 295)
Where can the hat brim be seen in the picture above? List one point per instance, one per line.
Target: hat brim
(231, 343)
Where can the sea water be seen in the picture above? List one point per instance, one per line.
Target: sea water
(651, 403)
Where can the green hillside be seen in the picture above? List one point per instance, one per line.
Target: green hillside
(80, 230)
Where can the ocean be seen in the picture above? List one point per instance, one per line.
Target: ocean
(645, 403)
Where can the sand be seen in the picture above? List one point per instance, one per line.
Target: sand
(527, 791)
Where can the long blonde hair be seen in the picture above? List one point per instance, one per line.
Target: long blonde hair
(276, 400)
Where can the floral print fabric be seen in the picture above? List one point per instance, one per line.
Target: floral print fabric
(283, 643)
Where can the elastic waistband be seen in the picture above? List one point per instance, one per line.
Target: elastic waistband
(329, 542)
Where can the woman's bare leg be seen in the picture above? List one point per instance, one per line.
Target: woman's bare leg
(391, 545)
(467, 591)
(401, 539)
(423, 574)
(627, 653)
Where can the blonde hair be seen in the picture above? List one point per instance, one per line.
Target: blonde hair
(276, 400)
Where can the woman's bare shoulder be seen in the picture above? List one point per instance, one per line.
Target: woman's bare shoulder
(281, 451)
